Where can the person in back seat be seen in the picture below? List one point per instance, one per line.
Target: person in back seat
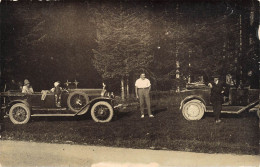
(13, 85)
(20, 85)
(27, 88)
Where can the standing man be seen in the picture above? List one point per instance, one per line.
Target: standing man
(142, 90)
(217, 97)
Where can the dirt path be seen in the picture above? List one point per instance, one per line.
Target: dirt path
(18, 153)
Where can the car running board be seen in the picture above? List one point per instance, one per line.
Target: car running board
(52, 115)
(249, 106)
(49, 109)
(235, 109)
(226, 111)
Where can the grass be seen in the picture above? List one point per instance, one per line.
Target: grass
(167, 131)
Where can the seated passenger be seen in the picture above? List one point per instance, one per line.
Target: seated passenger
(20, 84)
(57, 92)
(27, 88)
(13, 85)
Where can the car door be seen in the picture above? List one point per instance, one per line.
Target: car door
(48, 101)
(34, 99)
(239, 97)
(39, 100)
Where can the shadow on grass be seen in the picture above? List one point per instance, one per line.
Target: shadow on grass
(157, 111)
(121, 115)
(61, 118)
(235, 116)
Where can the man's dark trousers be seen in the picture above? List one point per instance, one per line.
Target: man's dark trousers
(216, 99)
(217, 107)
(143, 94)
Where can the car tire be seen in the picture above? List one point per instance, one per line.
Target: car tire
(193, 110)
(77, 100)
(19, 113)
(102, 112)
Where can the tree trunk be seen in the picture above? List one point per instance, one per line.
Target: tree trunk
(177, 56)
(127, 87)
(239, 79)
(189, 66)
(177, 73)
(122, 89)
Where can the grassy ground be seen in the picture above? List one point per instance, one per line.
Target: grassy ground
(168, 130)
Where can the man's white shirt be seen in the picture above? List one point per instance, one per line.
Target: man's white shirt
(142, 83)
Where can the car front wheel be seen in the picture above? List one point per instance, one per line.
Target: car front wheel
(193, 110)
(19, 113)
(102, 112)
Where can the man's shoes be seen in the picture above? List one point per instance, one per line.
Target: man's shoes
(218, 121)
(142, 116)
(151, 116)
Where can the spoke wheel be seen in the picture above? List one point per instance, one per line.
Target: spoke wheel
(102, 112)
(77, 100)
(193, 110)
(19, 113)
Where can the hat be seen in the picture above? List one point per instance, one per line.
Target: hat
(26, 82)
(57, 83)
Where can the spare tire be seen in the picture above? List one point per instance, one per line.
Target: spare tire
(76, 100)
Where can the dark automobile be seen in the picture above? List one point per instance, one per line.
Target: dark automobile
(20, 107)
(195, 102)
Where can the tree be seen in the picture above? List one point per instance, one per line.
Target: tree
(123, 40)
(202, 42)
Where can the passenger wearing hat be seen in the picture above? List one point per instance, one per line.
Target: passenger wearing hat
(27, 88)
(217, 97)
(57, 92)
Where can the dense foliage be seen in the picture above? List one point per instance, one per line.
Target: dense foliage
(124, 41)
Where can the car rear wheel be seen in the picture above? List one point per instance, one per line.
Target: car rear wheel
(19, 113)
(193, 110)
(102, 112)
(77, 100)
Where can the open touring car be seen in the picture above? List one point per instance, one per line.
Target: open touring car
(195, 102)
(20, 107)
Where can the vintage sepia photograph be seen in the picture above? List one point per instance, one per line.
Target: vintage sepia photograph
(129, 83)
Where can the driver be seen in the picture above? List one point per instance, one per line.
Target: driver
(57, 92)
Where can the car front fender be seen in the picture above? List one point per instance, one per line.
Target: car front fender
(108, 99)
(192, 97)
(84, 109)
